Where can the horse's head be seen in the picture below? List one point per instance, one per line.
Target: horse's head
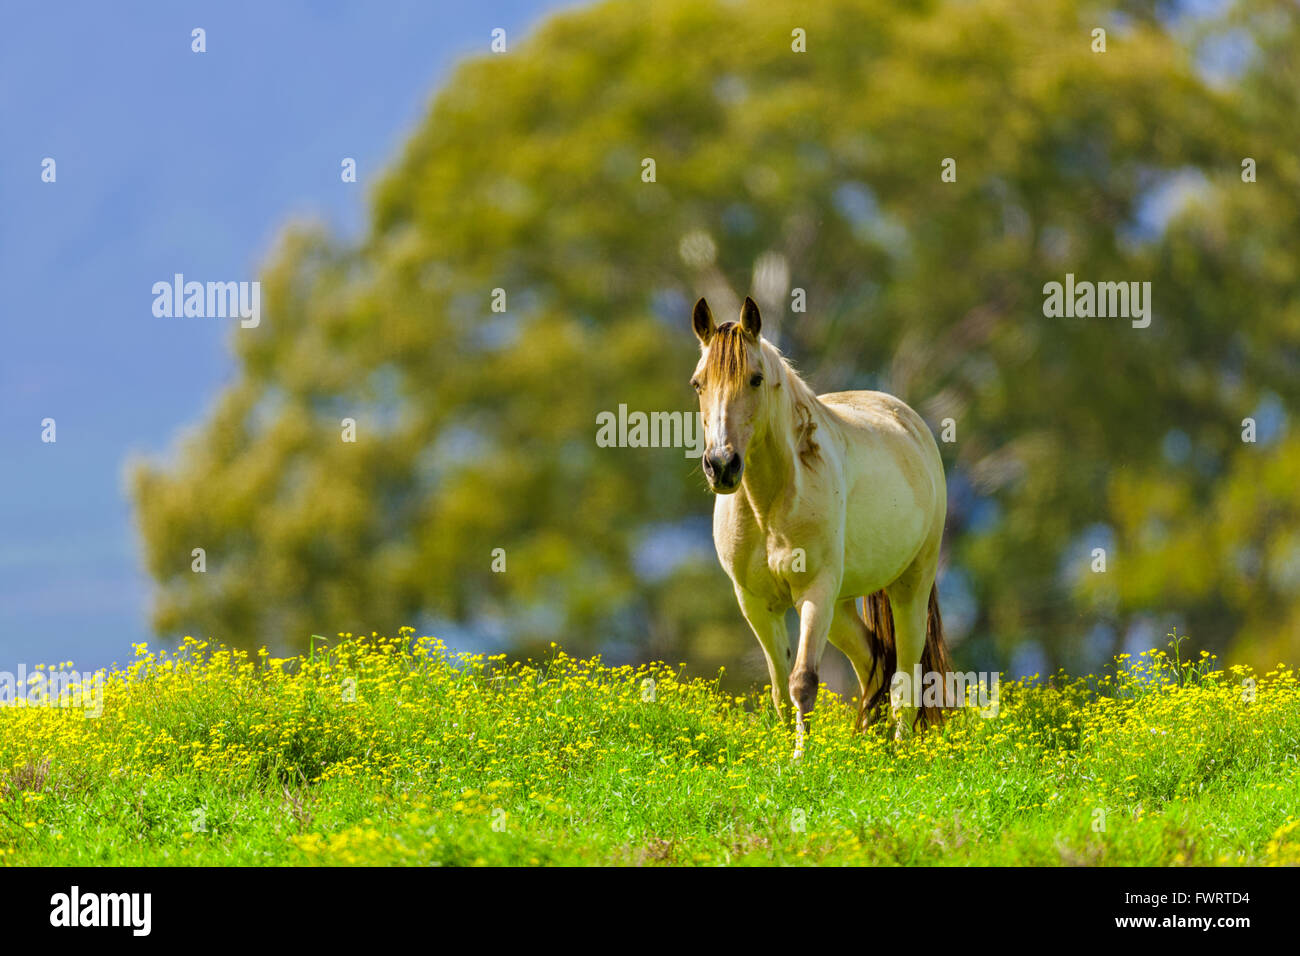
(733, 401)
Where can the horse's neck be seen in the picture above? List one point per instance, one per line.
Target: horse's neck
(774, 473)
(770, 474)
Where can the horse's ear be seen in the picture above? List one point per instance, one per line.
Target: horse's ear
(702, 321)
(749, 320)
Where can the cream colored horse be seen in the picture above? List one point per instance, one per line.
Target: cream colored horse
(821, 500)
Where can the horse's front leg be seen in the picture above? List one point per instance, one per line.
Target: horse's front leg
(769, 627)
(816, 608)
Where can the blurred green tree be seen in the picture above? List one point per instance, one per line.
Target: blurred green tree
(808, 176)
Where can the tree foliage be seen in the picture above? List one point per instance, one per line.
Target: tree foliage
(778, 170)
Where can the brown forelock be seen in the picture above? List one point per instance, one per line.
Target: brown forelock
(727, 364)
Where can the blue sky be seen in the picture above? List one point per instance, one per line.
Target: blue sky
(167, 161)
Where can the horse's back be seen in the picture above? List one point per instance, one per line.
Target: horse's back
(890, 449)
(880, 412)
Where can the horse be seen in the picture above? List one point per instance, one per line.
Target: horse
(820, 500)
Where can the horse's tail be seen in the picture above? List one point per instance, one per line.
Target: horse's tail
(935, 660)
(934, 657)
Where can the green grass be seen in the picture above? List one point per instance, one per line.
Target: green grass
(378, 752)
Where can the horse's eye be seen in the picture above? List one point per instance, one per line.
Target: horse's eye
(695, 384)
(757, 380)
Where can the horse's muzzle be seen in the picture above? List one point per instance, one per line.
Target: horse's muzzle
(723, 469)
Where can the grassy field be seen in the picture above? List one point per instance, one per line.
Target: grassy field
(385, 751)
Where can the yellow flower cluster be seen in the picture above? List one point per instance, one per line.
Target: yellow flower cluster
(394, 749)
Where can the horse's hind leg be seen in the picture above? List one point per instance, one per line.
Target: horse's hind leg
(909, 599)
(849, 634)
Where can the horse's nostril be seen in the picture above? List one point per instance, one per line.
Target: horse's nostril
(721, 466)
